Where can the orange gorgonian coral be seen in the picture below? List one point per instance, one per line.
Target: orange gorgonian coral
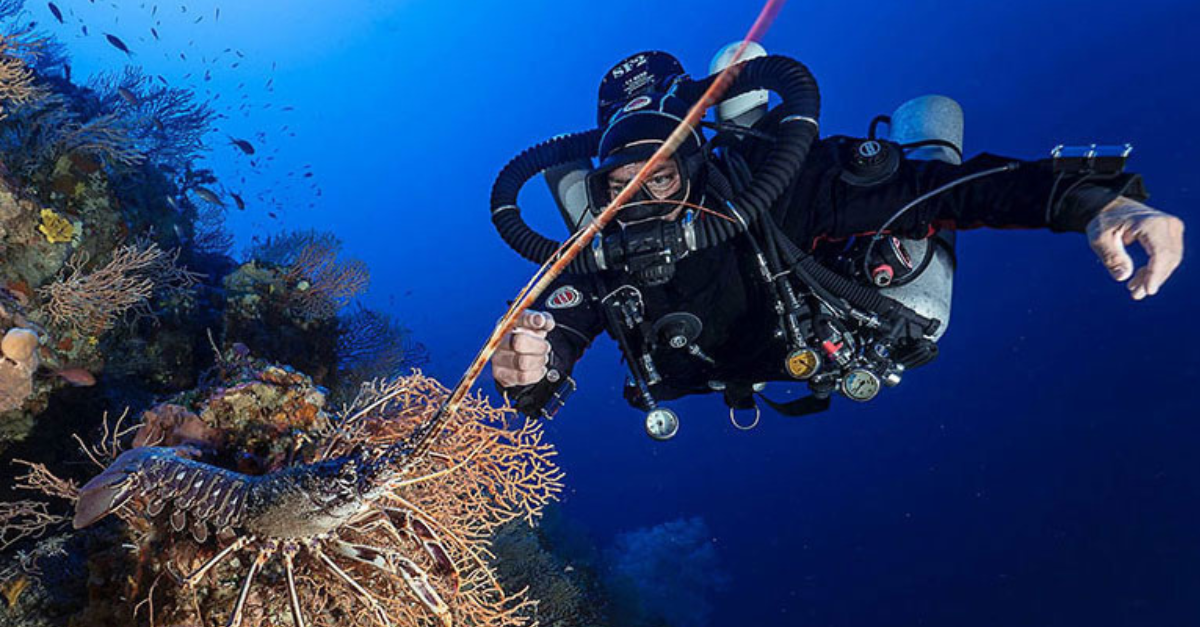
(91, 302)
(417, 555)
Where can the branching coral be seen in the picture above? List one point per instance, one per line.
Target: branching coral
(372, 345)
(483, 470)
(91, 302)
(166, 123)
(321, 282)
(25, 519)
(18, 84)
(46, 129)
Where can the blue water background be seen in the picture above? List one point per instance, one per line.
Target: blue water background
(1042, 472)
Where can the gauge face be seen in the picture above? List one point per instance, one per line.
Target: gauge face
(860, 385)
(802, 363)
(662, 424)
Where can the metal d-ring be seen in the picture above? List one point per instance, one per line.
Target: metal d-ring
(738, 426)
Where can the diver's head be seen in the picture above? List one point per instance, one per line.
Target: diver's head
(631, 138)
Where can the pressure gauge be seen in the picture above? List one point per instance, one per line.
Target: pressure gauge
(662, 424)
(860, 385)
(802, 363)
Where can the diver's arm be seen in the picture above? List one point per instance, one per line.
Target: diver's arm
(1028, 194)
(533, 366)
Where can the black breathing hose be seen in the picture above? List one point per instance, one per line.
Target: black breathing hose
(800, 109)
(506, 216)
(797, 130)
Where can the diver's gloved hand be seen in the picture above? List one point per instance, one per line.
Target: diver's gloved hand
(524, 352)
(1125, 221)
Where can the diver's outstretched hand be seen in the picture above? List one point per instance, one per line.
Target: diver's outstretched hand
(523, 354)
(1125, 221)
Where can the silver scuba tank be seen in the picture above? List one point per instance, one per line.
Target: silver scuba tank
(919, 119)
(568, 185)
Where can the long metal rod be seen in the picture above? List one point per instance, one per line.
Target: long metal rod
(555, 265)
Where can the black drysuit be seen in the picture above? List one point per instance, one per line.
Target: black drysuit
(721, 286)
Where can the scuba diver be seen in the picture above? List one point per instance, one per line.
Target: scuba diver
(759, 252)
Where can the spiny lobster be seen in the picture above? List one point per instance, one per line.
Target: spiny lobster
(296, 509)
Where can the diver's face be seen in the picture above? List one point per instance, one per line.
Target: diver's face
(663, 183)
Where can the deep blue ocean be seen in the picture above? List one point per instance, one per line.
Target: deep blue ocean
(1042, 472)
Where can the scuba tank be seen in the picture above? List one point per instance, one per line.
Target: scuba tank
(568, 186)
(933, 127)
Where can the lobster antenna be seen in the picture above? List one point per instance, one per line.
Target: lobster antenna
(417, 444)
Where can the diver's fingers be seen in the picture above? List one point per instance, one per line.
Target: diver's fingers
(1162, 238)
(1110, 248)
(528, 342)
(509, 377)
(1137, 285)
(520, 361)
(536, 321)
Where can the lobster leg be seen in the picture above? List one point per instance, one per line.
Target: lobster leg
(415, 529)
(195, 576)
(390, 562)
(354, 585)
(418, 582)
(289, 550)
(235, 618)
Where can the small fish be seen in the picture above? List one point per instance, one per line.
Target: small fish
(182, 56)
(154, 11)
(243, 145)
(84, 29)
(161, 79)
(308, 175)
(197, 20)
(272, 214)
(117, 43)
(209, 196)
(173, 204)
(67, 71)
(57, 14)
(217, 14)
(154, 32)
(77, 377)
(241, 204)
(158, 125)
(128, 96)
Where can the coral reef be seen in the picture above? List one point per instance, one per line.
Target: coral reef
(664, 574)
(566, 590)
(321, 282)
(485, 470)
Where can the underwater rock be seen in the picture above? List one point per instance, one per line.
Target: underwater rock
(17, 367)
(20, 345)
